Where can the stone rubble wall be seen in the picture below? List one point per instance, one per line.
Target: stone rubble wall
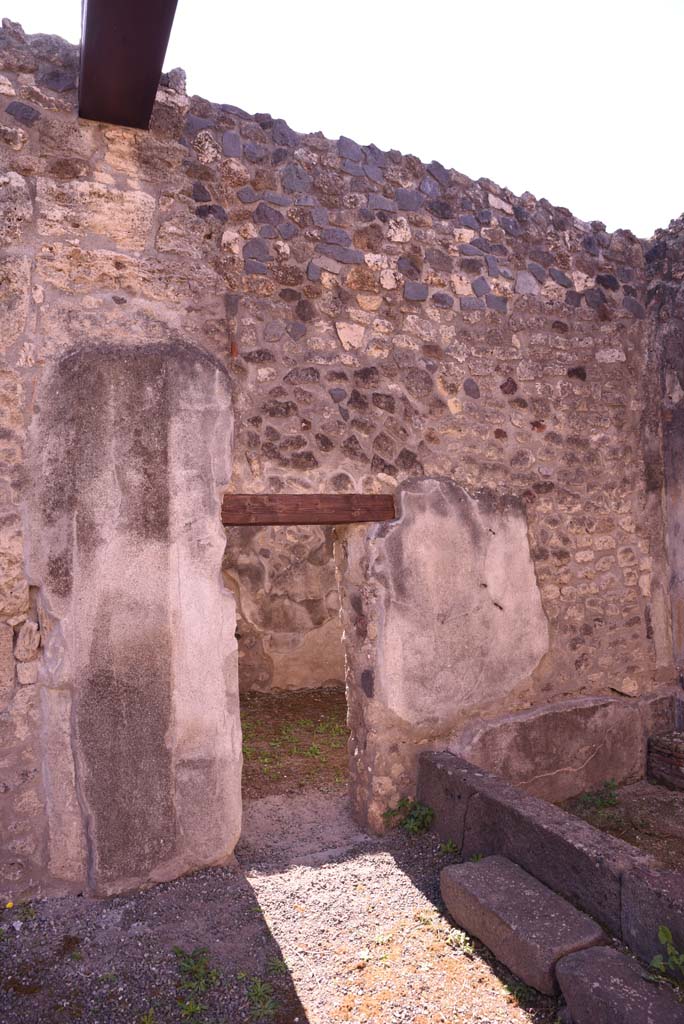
(289, 629)
(381, 319)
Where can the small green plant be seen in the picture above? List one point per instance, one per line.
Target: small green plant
(27, 912)
(330, 727)
(521, 992)
(190, 1009)
(477, 856)
(424, 916)
(411, 815)
(313, 751)
(261, 1000)
(287, 732)
(196, 974)
(148, 1018)
(448, 848)
(276, 965)
(672, 961)
(598, 799)
(460, 941)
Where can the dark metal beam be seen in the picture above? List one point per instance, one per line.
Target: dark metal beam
(306, 509)
(123, 44)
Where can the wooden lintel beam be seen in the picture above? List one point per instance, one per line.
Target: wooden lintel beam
(123, 43)
(306, 509)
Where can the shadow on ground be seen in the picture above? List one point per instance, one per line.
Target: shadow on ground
(111, 961)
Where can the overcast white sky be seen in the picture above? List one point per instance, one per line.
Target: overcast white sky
(580, 102)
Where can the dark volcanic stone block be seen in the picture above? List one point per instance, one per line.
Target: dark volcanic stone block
(525, 925)
(497, 303)
(651, 897)
(340, 253)
(666, 759)
(295, 179)
(634, 307)
(232, 144)
(58, 80)
(415, 291)
(348, 149)
(470, 302)
(560, 278)
(601, 986)
(23, 113)
(408, 199)
(571, 857)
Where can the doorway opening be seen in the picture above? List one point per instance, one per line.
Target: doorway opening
(290, 659)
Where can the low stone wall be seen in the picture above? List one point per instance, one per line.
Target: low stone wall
(618, 885)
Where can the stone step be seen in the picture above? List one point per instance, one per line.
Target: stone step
(525, 925)
(601, 986)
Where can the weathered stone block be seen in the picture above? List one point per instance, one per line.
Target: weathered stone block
(523, 923)
(124, 217)
(28, 641)
(666, 759)
(14, 593)
(6, 664)
(27, 673)
(443, 785)
(601, 986)
(15, 283)
(651, 897)
(566, 854)
(600, 738)
(16, 207)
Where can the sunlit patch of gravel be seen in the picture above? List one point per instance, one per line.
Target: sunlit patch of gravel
(318, 924)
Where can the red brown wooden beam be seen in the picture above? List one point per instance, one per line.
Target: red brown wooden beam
(123, 43)
(305, 509)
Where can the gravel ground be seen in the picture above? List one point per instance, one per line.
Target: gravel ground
(317, 923)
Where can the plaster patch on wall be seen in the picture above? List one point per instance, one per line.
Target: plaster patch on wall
(131, 447)
(461, 622)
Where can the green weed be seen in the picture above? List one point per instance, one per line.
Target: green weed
(276, 965)
(411, 815)
(261, 1000)
(27, 912)
(598, 799)
(196, 975)
(672, 961)
(521, 992)
(190, 1009)
(460, 941)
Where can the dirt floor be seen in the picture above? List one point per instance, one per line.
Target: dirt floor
(644, 814)
(315, 923)
(293, 741)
